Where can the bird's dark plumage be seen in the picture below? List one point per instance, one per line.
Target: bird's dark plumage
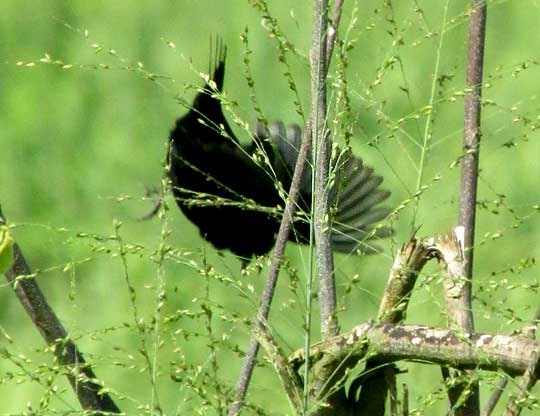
(232, 199)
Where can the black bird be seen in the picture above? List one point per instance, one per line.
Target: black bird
(223, 188)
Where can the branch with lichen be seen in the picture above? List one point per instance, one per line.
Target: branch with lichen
(441, 346)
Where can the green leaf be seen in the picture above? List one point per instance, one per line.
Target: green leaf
(6, 249)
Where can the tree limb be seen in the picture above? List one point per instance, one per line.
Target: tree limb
(92, 396)
(441, 346)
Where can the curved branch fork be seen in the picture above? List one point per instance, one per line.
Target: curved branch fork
(387, 340)
(409, 262)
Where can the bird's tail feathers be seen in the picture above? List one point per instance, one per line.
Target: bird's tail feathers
(206, 105)
(216, 69)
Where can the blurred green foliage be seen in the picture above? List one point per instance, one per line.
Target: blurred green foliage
(89, 92)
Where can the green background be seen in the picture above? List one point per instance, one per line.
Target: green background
(80, 141)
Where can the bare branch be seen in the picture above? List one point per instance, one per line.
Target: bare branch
(321, 156)
(271, 281)
(526, 384)
(90, 394)
(469, 167)
(495, 397)
(393, 342)
(291, 381)
(333, 30)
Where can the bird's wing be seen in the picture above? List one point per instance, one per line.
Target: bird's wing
(283, 143)
(356, 195)
(358, 200)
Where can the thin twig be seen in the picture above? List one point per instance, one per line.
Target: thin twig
(530, 331)
(495, 397)
(291, 381)
(515, 405)
(80, 375)
(333, 30)
(405, 408)
(271, 281)
(390, 376)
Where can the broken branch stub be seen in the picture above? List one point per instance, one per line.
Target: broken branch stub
(449, 250)
(407, 266)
